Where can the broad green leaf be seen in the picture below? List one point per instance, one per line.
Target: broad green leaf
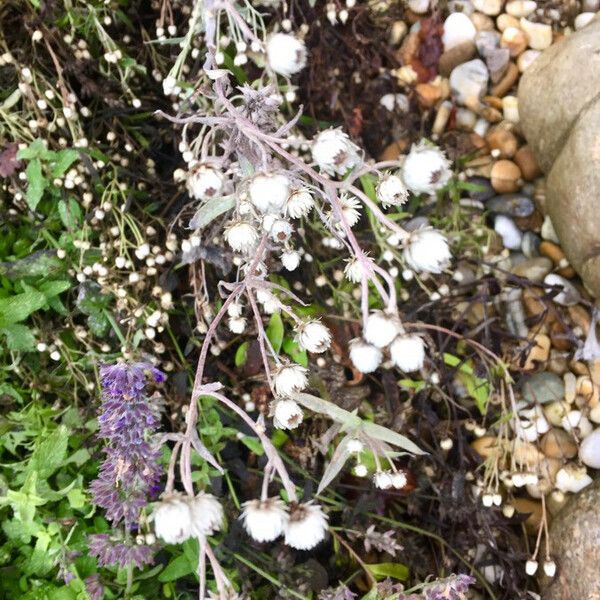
(210, 210)
(19, 307)
(35, 150)
(177, 568)
(36, 183)
(18, 337)
(253, 444)
(64, 159)
(241, 354)
(53, 288)
(292, 349)
(40, 561)
(393, 570)
(51, 453)
(76, 498)
(275, 331)
(70, 213)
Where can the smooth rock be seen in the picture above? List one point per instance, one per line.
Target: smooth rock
(539, 352)
(530, 246)
(589, 451)
(505, 176)
(534, 269)
(510, 109)
(482, 22)
(515, 40)
(511, 235)
(465, 119)
(526, 161)
(469, 80)
(520, 8)
(487, 41)
(510, 77)
(569, 294)
(505, 21)
(548, 232)
(463, 6)
(419, 7)
(457, 55)
(575, 546)
(539, 35)
(497, 62)
(486, 190)
(557, 443)
(458, 28)
(502, 142)
(583, 19)
(542, 388)
(488, 7)
(513, 205)
(526, 59)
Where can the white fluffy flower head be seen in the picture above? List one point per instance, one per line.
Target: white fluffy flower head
(287, 414)
(427, 250)
(264, 520)
(408, 352)
(381, 328)
(290, 259)
(289, 379)
(204, 182)
(391, 190)
(364, 356)
(269, 192)
(334, 152)
(237, 325)
(173, 519)
(313, 336)
(241, 236)
(281, 230)
(306, 527)
(354, 270)
(426, 169)
(286, 54)
(383, 480)
(207, 514)
(350, 206)
(299, 203)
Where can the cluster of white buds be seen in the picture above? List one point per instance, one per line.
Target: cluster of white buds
(391, 190)
(286, 54)
(178, 517)
(303, 527)
(383, 330)
(385, 480)
(334, 152)
(426, 169)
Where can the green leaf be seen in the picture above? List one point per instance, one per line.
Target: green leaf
(36, 183)
(18, 337)
(393, 570)
(275, 331)
(35, 150)
(210, 210)
(76, 498)
(70, 213)
(177, 568)
(241, 354)
(65, 158)
(253, 444)
(293, 350)
(19, 307)
(51, 453)
(40, 561)
(368, 185)
(53, 288)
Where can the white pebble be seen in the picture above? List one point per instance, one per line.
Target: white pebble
(589, 451)
(458, 28)
(511, 235)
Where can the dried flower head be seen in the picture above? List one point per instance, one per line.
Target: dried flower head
(334, 153)
(313, 336)
(306, 527)
(264, 520)
(289, 379)
(408, 352)
(287, 414)
(426, 169)
(286, 54)
(427, 250)
(364, 356)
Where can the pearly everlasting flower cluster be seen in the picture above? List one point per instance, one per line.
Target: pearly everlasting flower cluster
(426, 169)
(130, 472)
(384, 331)
(427, 250)
(286, 54)
(334, 152)
(303, 525)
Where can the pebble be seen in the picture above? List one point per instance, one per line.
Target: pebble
(526, 161)
(542, 388)
(533, 510)
(513, 205)
(487, 41)
(398, 31)
(520, 8)
(463, 6)
(539, 352)
(469, 80)
(511, 235)
(419, 7)
(497, 62)
(557, 443)
(589, 451)
(526, 59)
(515, 40)
(555, 253)
(534, 269)
(488, 7)
(458, 28)
(515, 316)
(486, 446)
(511, 74)
(582, 19)
(555, 412)
(530, 246)
(485, 191)
(568, 296)
(539, 35)
(548, 232)
(457, 55)
(510, 108)
(465, 119)
(482, 22)
(428, 94)
(505, 176)
(503, 141)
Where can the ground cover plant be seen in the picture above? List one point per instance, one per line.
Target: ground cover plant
(246, 344)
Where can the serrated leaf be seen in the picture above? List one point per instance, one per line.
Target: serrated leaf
(40, 562)
(384, 570)
(70, 213)
(18, 337)
(275, 331)
(210, 210)
(64, 159)
(53, 288)
(34, 150)
(36, 183)
(50, 454)
(19, 307)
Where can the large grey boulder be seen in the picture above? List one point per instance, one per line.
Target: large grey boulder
(575, 538)
(559, 107)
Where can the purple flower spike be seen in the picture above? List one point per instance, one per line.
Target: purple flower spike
(130, 472)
